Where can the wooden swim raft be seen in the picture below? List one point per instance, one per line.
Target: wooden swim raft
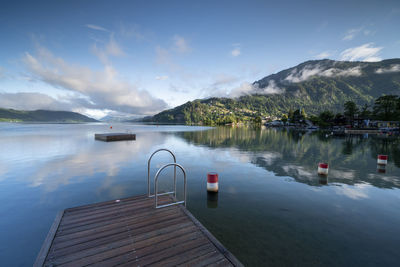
(107, 137)
(131, 232)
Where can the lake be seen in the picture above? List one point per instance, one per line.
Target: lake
(272, 207)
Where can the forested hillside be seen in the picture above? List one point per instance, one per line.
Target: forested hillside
(314, 86)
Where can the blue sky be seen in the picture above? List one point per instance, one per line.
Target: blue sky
(140, 57)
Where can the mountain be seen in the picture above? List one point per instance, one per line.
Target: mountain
(43, 116)
(315, 85)
(120, 118)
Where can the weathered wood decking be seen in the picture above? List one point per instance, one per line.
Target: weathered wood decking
(107, 137)
(131, 232)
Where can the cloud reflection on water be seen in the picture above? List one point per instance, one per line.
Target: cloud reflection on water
(357, 191)
(107, 158)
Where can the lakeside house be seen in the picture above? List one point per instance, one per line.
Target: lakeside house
(385, 124)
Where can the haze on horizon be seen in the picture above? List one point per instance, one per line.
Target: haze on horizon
(140, 57)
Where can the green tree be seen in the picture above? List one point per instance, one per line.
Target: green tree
(290, 114)
(258, 120)
(385, 107)
(350, 110)
(365, 113)
(326, 118)
(303, 114)
(284, 118)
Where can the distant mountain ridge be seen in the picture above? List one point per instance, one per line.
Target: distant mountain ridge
(315, 85)
(43, 116)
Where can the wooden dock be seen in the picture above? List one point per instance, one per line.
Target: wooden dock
(131, 232)
(361, 131)
(107, 137)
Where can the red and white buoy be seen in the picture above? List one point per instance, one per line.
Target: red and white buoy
(382, 159)
(212, 182)
(323, 168)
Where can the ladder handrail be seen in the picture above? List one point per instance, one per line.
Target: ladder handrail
(156, 181)
(148, 171)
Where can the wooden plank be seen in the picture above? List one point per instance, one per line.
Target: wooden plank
(48, 241)
(119, 206)
(123, 254)
(203, 260)
(145, 233)
(100, 204)
(131, 216)
(114, 231)
(94, 232)
(157, 252)
(222, 262)
(129, 240)
(183, 257)
(110, 211)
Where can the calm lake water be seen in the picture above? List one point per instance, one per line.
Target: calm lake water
(272, 207)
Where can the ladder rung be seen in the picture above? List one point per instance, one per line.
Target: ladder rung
(162, 194)
(170, 204)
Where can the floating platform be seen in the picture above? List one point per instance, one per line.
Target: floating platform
(131, 232)
(107, 137)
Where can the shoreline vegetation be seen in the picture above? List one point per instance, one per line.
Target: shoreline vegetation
(384, 113)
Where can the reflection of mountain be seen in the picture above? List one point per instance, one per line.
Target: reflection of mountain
(292, 153)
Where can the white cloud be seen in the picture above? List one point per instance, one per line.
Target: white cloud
(304, 74)
(335, 72)
(104, 89)
(392, 68)
(244, 89)
(162, 78)
(224, 79)
(111, 48)
(164, 57)
(350, 34)
(323, 55)
(310, 71)
(129, 31)
(34, 101)
(96, 27)
(248, 88)
(236, 52)
(271, 88)
(2, 72)
(181, 45)
(365, 52)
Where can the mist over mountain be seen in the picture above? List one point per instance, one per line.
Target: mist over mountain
(315, 85)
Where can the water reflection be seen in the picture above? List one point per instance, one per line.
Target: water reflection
(323, 179)
(352, 159)
(271, 199)
(212, 200)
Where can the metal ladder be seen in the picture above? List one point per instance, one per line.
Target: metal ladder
(156, 181)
